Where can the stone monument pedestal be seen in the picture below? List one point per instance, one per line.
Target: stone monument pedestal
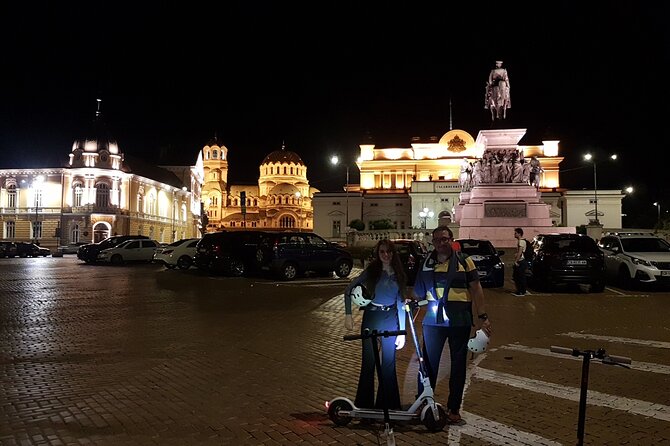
(492, 211)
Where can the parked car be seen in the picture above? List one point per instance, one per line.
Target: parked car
(487, 259)
(7, 249)
(567, 259)
(27, 249)
(289, 254)
(71, 248)
(178, 254)
(89, 253)
(412, 254)
(229, 252)
(633, 259)
(133, 250)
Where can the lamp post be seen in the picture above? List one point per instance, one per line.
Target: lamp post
(424, 215)
(589, 157)
(658, 210)
(335, 160)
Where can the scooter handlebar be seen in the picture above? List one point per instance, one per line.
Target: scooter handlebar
(375, 334)
(607, 359)
(564, 350)
(413, 304)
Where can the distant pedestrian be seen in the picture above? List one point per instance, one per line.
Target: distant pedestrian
(520, 264)
(386, 282)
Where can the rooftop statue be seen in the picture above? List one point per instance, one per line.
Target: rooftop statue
(497, 92)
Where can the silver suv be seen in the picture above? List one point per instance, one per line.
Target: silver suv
(634, 258)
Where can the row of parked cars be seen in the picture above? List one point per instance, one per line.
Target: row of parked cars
(625, 259)
(22, 249)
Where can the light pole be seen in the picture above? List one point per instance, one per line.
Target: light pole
(425, 214)
(589, 157)
(658, 210)
(335, 160)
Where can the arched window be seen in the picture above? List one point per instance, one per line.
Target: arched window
(284, 170)
(287, 222)
(11, 196)
(215, 154)
(206, 154)
(77, 193)
(151, 204)
(101, 195)
(140, 203)
(255, 202)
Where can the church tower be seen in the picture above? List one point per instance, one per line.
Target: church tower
(214, 189)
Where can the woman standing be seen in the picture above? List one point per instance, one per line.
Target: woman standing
(385, 281)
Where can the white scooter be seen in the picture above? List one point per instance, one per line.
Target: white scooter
(432, 414)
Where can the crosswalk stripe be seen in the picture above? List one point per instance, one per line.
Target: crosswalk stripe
(630, 405)
(635, 365)
(498, 433)
(616, 340)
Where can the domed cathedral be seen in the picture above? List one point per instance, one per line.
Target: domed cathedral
(282, 199)
(99, 193)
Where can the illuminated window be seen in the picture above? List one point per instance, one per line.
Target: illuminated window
(38, 198)
(10, 229)
(78, 192)
(151, 204)
(101, 195)
(11, 196)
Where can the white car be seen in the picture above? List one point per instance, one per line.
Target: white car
(636, 258)
(178, 254)
(136, 250)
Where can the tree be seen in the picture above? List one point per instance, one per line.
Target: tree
(357, 224)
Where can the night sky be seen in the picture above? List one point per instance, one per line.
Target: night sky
(325, 76)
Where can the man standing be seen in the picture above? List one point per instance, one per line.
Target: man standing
(450, 281)
(520, 264)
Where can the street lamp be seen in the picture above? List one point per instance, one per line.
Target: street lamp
(335, 160)
(425, 214)
(589, 157)
(658, 209)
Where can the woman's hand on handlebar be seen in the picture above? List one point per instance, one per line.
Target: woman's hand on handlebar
(348, 322)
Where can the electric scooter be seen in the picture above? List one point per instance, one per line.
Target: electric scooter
(588, 355)
(432, 414)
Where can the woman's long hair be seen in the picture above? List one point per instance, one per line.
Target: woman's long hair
(376, 266)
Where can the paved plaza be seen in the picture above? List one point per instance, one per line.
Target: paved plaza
(141, 355)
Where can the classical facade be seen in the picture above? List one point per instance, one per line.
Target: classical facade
(420, 186)
(281, 200)
(97, 194)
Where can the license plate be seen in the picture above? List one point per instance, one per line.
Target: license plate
(665, 273)
(576, 262)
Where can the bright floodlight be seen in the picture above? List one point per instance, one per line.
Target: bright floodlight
(334, 159)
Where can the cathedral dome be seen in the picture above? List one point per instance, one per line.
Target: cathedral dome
(284, 189)
(283, 156)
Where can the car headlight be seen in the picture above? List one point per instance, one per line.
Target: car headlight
(637, 261)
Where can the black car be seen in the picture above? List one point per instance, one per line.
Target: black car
(7, 249)
(27, 249)
(487, 259)
(89, 253)
(289, 254)
(562, 259)
(412, 254)
(228, 252)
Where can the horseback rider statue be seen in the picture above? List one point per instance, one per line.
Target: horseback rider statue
(497, 92)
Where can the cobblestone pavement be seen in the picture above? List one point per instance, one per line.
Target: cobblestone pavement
(140, 355)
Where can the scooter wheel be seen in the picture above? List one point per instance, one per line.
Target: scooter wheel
(431, 423)
(334, 412)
